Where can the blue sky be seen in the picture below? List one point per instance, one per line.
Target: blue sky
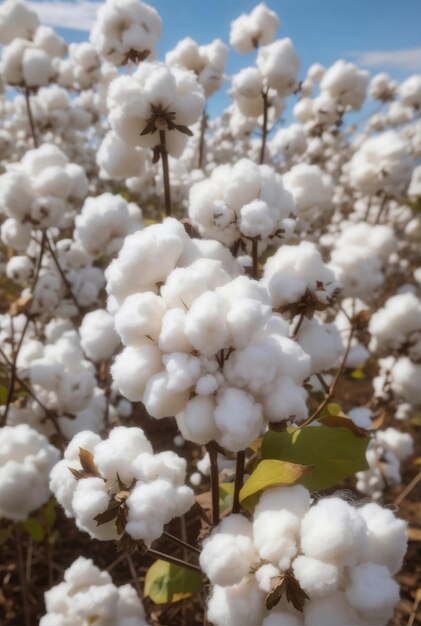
(379, 35)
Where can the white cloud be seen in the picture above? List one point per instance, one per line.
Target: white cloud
(78, 15)
(409, 59)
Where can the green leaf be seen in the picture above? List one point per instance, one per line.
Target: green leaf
(34, 528)
(49, 514)
(358, 374)
(166, 582)
(226, 496)
(334, 409)
(4, 392)
(5, 533)
(270, 473)
(336, 453)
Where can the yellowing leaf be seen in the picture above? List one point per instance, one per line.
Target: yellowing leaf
(270, 473)
(166, 582)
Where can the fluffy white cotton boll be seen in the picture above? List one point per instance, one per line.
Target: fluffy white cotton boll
(148, 467)
(228, 553)
(15, 234)
(255, 367)
(185, 284)
(17, 20)
(239, 419)
(322, 342)
(294, 499)
(391, 325)
(410, 91)
(172, 337)
(46, 373)
(133, 368)
(26, 458)
(37, 68)
(114, 455)
(405, 380)
(139, 319)
(46, 39)
(91, 497)
(285, 400)
(118, 160)
(372, 591)
(293, 362)
(311, 189)
(279, 64)
(401, 444)
(387, 538)
(197, 423)
(346, 84)
(282, 618)
(239, 605)
(332, 610)
(159, 400)
(16, 194)
(205, 325)
(333, 531)
(257, 28)
(361, 416)
(183, 371)
(97, 335)
(289, 141)
(358, 271)
(315, 577)
(19, 268)
(246, 318)
(264, 576)
(275, 535)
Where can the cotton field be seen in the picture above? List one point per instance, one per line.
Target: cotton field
(210, 330)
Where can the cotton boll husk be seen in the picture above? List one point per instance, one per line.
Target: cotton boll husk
(275, 535)
(115, 455)
(372, 591)
(239, 605)
(322, 342)
(228, 553)
(401, 444)
(196, 423)
(133, 369)
(387, 539)
(97, 335)
(159, 401)
(91, 498)
(284, 400)
(332, 610)
(238, 417)
(140, 316)
(333, 531)
(315, 577)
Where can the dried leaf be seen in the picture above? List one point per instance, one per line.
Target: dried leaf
(87, 462)
(108, 515)
(21, 305)
(128, 544)
(286, 584)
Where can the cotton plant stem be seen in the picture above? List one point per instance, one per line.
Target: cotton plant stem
(172, 559)
(380, 211)
(255, 258)
(298, 326)
(214, 475)
(30, 117)
(414, 482)
(264, 127)
(180, 542)
(135, 577)
(165, 172)
(203, 127)
(63, 275)
(239, 479)
(22, 577)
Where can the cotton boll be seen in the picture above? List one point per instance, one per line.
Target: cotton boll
(285, 400)
(405, 380)
(361, 416)
(401, 444)
(19, 268)
(255, 29)
(264, 576)
(346, 84)
(16, 194)
(255, 367)
(294, 499)
(332, 610)
(205, 325)
(293, 362)
(239, 419)
(37, 68)
(281, 618)
(114, 455)
(98, 338)
(315, 577)
(196, 422)
(387, 540)
(239, 605)
(139, 318)
(84, 439)
(372, 591)
(172, 337)
(322, 342)
(148, 467)
(333, 531)
(15, 234)
(91, 498)
(159, 400)
(133, 368)
(275, 535)
(183, 371)
(17, 20)
(228, 553)
(279, 64)
(118, 160)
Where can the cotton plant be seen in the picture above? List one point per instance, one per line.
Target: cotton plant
(257, 28)
(88, 594)
(303, 561)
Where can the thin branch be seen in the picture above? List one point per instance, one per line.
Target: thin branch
(172, 559)
(30, 116)
(63, 275)
(214, 475)
(179, 542)
(203, 127)
(255, 258)
(265, 126)
(239, 479)
(414, 482)
(22, 578)
(165, 172)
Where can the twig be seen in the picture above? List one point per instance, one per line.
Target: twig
(239, 478)
(31, 119)
(414, 482)
(214, 475)
(172, 559)
(63, 275)
(298, 326)
(180, 542)
(265, 126)
(22, 578)
(165, 172)
(203, 126)
(135, 577)
(255, 257)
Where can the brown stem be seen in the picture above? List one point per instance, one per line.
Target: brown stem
(380, 211)
(22, 577)
(214, 475)
(31, 119)
(179, 542)
(203, 127)
(298, 326)
(265, 126)
(323, 383)
(172, 559)
(63, 275)
(255, 258)
(166, 172)
(135, 577)
(239, 479)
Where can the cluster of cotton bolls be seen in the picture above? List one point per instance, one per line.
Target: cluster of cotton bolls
(26, 458)
(387, 450)
(122, 475)
(342, 557)
(88, 595)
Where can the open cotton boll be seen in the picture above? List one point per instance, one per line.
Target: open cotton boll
(37, 69)
(133, 368)
(322, 342)
(372, 591)
(292, 360)
(333, 531)
(264, 576)
(159, 400)
(401, 444)
(172, 337)
(114, 455)
(332, 610)
(387, 538)
(239, 605)
(139, 319)
(361, 416)
(405, 380)
(15, 234)
(197, 423)
(255, 29)
(294, 499)
(311, 189)
(16, 194)
(285, 400)
(275, 535)
(391, 326)
(238, 417)
(410, 91)
(282, 618)
(185, 284)
(90, 498)
(346, 84)
(97, 335)
(254, 367)
(279, 65)
(205, 325)
(315, 577)
(148, 467)
(246, 318)
(17, 20)
(228, 553)
(19, 268)
(117, 160)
